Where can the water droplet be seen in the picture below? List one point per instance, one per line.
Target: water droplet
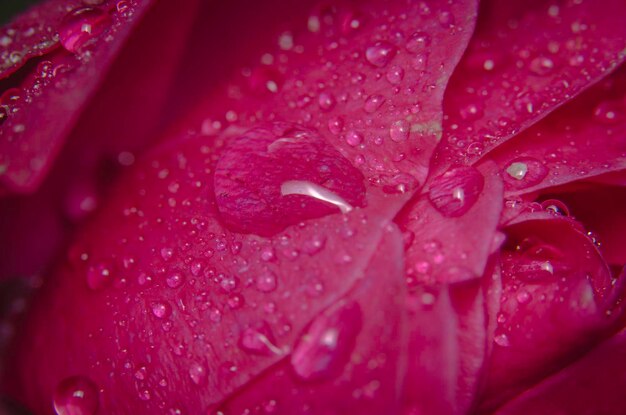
(326, 346)
(161, 309)
(354, 138)
(471, 111)
(314, 244)
(82, 25)
(296, 187)
(373, 103)
(260, 340)
(399, 130)
(166, 253)
(326, 101)
(502, 340)
(418, 42)
(456, 191)
(608, 113)
(523, 297)
(99, 275)
(517, 170)
(395, 74)
(174, 280)
(4, 114)
(335, 125)
(197, 373)
(266, 282)
(380, 54)
(555, 207)
(541, 65)
(76, 395)
(525, 172)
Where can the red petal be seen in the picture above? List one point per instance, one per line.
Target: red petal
(46, 97)
(108, 130)
(446, 249)
(558, 297)
(370, 369)
(585, 138)
(198, 294)
(524, 61)
(384, 112)
(593, 385)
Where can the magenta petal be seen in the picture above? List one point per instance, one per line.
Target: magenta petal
(585, 138)
(524, 61)
(593, 385)
(368, 77)
(46, 97)
(176, 296)
(448, 249)
(558, 297)
(349, 359)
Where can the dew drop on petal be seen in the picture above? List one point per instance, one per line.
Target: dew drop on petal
(323, 350)
(76, 395)
(81, 25)
(380, 54)
(456, 191)
(399, 130)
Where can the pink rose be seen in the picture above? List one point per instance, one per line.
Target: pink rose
(374, 207)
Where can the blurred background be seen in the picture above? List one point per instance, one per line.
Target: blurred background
(8, 8)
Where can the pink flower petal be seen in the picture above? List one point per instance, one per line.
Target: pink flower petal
(592, 385)
(524, 61)
(104, 140)
(367, 78)
(47, 95)
(445, 250)
(367, 354)
(585, 138)
(558, 297)
(201, 300)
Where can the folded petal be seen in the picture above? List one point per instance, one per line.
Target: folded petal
(369, 374)
(583, 139)
(558, 299)
(178, 300)
(524, 61)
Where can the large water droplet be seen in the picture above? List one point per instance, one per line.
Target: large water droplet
(418, 42)
(266, 282)
(82, 25)
(76, 395)
(456, 191)
(280, 175)
(324, 349)
(380, 54)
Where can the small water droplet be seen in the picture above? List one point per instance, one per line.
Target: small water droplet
(395, 74)
(260, 340)
(456, 191)
(525, 172)
(76, 395)
(197, 373)
(326, 346)
(266, 282)
(99, 275)
(418, 42)
(373, 103)
(82, 25)
(174, 280)
(541, 65)
(380, 54)
(354, 138)
(502, 340)
(335, 125)
(326, 101)
(399, 130)
(161, 309)
(608, 113)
